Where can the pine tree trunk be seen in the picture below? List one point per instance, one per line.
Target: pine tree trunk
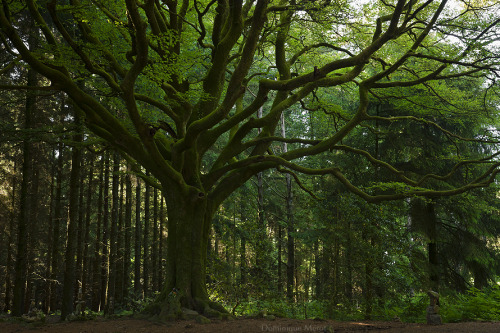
(57, 223)
(154, 245)
(119, 245)
(80, 232)
(160, 244)
(145, 242)
(290, 225)
(34, 224)
(72, 233)
(105, 235)
(97, 260)
(127, 236)
(21, 265)
(10, 244)
(109, 309)
(137, 241)
(434, 269)
(86, 239)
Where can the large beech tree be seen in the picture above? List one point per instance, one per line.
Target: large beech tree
(176, 86)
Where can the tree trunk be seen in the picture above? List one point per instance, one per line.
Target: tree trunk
(86, 239)
(21, 266)
(137, 241)
(128, 236)
(105, 235)
(160, 244)
(8, 273)
(56, 222)
(189, 222)
(432, 247)
(71, 247)
(110, 300)
(290, 224)
(80, 232)
(96, 264)
(120, 277)
(154, 245)
(145, 242)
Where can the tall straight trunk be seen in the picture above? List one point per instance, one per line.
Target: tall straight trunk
(50, 237)
(96, 264)
(18, 304)
(318, 286)
(368, 287)
(137, 241)
(127, 236)
(32, 284)
(71, 246)
(119, 246)
(86, 239)
(154, 245)
(280, 251)
(432, 246)
(80, 232)
(290, 244)
(10, 241)
(260, 253)
(349, 265)
(145, 242)
(109, 309)
(57, 224)
(160, 244)
(105, 235)
(243, 253)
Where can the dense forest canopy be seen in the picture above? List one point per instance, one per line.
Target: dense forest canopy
(386, 100)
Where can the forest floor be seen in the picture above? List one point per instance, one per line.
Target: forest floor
(131, 325)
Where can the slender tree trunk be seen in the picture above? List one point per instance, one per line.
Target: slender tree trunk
(86, 239)
(80, 231)
(109, 309)
(318, 286)
(137, 241)
(120, 249)
(348, 259)
(50, 237)
(432, 246)
(105, 236)
(71, 246)
(154, 245)
(368, 287)
(128, 236)
(145, 242)
(10, 244)
(96, 265)
(33, 234)
(290, 224)
(21, 266)
(57, 224)
(243, 254)
(160, 244)
(280, 263)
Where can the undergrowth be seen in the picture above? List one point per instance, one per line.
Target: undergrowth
(474, 305)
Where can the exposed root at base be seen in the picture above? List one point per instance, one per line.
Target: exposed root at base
(176, 307)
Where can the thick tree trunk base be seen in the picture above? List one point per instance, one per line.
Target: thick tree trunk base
(176, 307)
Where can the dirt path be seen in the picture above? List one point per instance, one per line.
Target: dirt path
(129, 325)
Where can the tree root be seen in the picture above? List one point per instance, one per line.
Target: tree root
(176, 307)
